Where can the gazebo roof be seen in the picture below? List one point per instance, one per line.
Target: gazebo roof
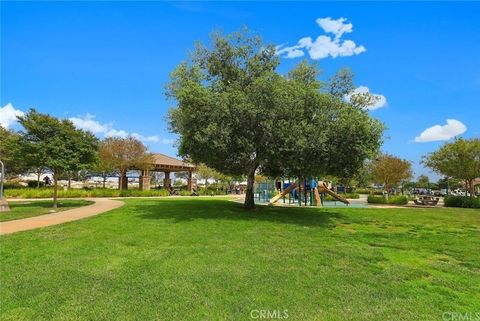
(162, 162)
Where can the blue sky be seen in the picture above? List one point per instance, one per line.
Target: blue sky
(105, 64)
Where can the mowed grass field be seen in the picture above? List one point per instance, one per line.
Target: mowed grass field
(208, 259)
(24, 209)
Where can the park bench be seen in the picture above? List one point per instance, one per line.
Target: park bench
(426, 200)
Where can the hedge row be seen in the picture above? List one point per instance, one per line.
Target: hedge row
(392, 200)
(74, 193)
(462, 201)
(368, 191)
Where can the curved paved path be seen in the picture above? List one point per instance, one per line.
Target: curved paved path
(100, 206)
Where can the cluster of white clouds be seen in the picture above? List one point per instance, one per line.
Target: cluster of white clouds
(8, 117)
(451, 129)
(325, 45)
(88, 122)
(379, 101)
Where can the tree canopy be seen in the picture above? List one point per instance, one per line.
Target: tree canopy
(390, 170)
(122, 154)
(423, 181)
(9, 153)
(56, 144)
(236, 113)
(459, 159)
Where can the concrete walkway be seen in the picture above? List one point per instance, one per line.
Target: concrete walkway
(100, 206)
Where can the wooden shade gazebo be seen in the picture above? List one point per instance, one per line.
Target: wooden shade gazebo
(166, 164)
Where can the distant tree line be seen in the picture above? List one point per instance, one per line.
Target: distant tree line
(50, 145)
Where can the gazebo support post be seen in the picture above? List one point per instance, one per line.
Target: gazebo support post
(144, 181)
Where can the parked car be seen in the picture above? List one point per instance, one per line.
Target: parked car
(458, 192)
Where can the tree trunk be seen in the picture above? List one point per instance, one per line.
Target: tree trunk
(69, 181)
(249, 195)
(472, 188)
(104, 181)
(38, 178)
(120, 181)
(55, 190)
(206, 185)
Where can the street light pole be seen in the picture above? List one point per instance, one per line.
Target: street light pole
(1, 181)
(3, 203)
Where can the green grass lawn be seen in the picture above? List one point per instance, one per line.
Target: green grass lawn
(208, 259)
(26, 209)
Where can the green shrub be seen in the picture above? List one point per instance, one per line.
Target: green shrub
(211, 190)
(398, 200)
(34, 184)
(392, 200)
(11, 185)
(462, 201)
(363, 190)
(355, 196)
(371, 199)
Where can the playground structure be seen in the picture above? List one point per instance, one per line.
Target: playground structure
(309, 192)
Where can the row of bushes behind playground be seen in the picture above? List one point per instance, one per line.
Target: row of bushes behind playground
(392, 200)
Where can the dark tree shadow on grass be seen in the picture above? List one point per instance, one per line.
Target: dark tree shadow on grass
(188, 210)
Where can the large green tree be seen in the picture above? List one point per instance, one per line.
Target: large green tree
(237, 114)
(57, 143)
(459, 159)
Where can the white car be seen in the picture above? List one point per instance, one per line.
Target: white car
(459, 192)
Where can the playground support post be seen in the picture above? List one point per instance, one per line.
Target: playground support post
(311, 191)
(305, 191)
(299, 192)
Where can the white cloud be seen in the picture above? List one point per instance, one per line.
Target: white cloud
(151, 139)
(88, 122)
(379, 100)
(8, 115)
(337, 27)
(325, 46)
(291, 52)
(441, 133)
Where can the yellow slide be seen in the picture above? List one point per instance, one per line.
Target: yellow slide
(282, 194)
(323, 188)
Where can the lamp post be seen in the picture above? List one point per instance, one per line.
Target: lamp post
(3, 202)
(1, 181)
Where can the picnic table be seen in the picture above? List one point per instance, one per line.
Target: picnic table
(426, 200)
